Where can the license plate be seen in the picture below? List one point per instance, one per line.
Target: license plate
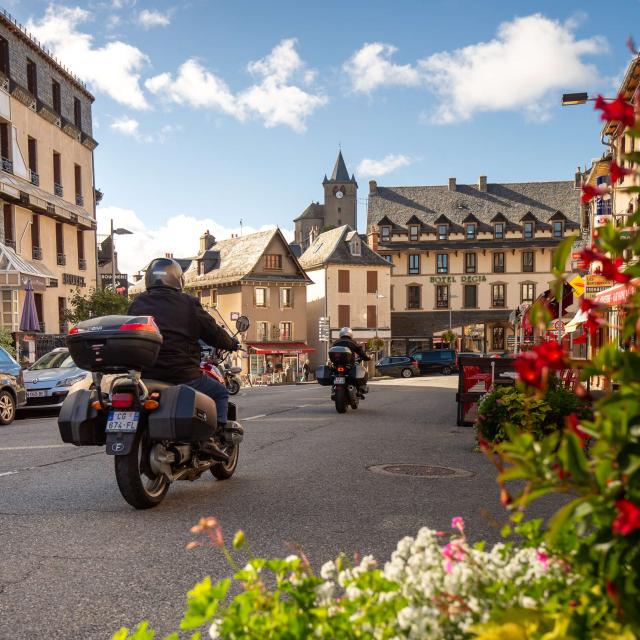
(36, 394)
(339, 380)
(123, 421)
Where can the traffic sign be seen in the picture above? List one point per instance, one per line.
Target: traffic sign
(577, 284)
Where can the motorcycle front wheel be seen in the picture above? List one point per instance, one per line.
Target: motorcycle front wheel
(139, 486)
(233, 386)
(341, 400)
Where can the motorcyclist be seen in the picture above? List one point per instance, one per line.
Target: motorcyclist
(183, 322)
(346, 340)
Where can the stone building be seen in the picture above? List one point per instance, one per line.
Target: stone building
(464, 256)
(340, 207)
(46, 181)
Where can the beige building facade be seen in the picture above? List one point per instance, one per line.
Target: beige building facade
(46, 182)
(350, 286)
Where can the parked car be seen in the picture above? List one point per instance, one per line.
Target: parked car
(12, 391)
(442, 360)
(48, 380)
(404, 366)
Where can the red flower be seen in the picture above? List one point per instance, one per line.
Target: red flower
(617, 172)
(589, 192)
(611, 270)
(628, 518)
(618, 109)
(530, 369)
(552, 354)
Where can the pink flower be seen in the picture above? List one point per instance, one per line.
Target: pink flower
(448, 566)
(543, 558)
(458, 523)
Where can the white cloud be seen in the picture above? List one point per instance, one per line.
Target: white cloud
(112, 69)
(377, 168)
(275, 98)
(126, 125)
(178, 235)
(370, 67)
(130, 127)
(148, 19)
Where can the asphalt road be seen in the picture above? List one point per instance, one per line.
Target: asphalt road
(78, 562)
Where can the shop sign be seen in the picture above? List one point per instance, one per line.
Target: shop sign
(594, 283)
(452, 279)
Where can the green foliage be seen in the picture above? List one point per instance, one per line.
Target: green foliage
(375, 344)
(6, 342)
(539, 415)
(96, 303)
(449, 337)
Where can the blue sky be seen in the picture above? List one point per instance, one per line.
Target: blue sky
(211, 112)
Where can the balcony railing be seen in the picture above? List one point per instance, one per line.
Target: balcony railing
(498, 303)
(34, 177)
(82, 264)
(61, 259)
(10, 243)
(36, 252)
(7, 165)
(442, 304)
(79, 200)
(57, 189)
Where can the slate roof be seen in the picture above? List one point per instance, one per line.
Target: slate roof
(513, 201)
(340, 172)
(314, 211)
(332, 247)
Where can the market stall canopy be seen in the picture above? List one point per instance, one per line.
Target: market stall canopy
(270, 348)
(15, 271)
(617, 295)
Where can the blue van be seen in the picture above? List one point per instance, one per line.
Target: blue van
(442, 360)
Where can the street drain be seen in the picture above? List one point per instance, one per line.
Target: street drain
(419, 471)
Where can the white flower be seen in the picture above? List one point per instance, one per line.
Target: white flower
(328, 570)
(214, 630)
(292, 558)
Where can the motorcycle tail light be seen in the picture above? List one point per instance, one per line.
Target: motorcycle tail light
(73, 331)
(148, 325)
(340, 369)
(151, 405)
(122, 400)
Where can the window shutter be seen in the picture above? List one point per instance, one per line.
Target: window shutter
(344, 314)
(372, 281)
(343, 281)
(371, 316)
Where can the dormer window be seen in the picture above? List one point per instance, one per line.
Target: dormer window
(385, 234)
(498, 230)
(443, 232)
(354, 246)
(414, 232)
(558, 229)
(527, 230)
(470, 231)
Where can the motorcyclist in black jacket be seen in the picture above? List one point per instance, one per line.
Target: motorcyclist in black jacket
(346, 340)
(182, 322)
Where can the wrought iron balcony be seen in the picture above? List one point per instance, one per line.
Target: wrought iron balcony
(7, 165)
(57, 189)
(498, 303)
(34, 177)
(82, 264)
(442, 304)
(61, 259)
(36, 252)
(79, 200)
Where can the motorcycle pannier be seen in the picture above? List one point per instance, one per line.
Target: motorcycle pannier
(115, 343)
(323, 375)
(184, 415)
(78, 422)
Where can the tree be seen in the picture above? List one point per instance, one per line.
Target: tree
(97, 302)
(6, 342)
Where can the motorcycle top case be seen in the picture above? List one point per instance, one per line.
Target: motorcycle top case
(115, 343)
(78, 422)
(184, 415)
(323, 375)
(341, 355)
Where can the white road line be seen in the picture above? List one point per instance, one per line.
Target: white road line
(8, 473)
(37, 446)
(261, 415)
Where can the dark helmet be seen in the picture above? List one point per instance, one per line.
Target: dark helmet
(164, 272)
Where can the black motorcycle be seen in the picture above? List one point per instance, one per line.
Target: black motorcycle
(153, 429)
(346, 377)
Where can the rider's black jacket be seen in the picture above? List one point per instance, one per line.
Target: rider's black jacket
(354, 346)
(182, 322)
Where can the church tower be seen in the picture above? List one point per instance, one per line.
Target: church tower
(340, 197)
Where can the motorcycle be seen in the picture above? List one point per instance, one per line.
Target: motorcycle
(345, 375)
(153, 429)
(226, 375)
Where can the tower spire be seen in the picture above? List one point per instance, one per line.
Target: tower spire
(340, 172)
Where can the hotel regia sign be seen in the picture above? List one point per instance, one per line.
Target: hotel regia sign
(452, 279)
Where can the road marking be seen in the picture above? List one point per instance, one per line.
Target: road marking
(260, 415)
(36, 446)
(8, 473)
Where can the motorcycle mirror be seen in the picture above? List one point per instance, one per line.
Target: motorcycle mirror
(242, 324)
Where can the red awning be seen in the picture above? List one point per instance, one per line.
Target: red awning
(268, 348)
(617, 295)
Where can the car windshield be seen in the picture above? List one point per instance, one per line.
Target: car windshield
(54, 360)
(5, 358)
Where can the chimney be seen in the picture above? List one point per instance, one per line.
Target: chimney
(372, 237)
(452, 184)
(482, 183)
(168, 255)
(577, 180)
(206, 241)
(373, 187)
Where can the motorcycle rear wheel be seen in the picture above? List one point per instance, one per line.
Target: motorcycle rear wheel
(233, 386)
(138, 486)
(224, 470)
(341, 400)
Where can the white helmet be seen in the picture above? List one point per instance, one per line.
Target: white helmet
(346, 332)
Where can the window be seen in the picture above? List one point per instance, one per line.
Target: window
(60, 242)
(470, 231)
(442, 296)
(62, 305)
(527, 262)
(9, 228)
(558, 230)
(261, 297)
(527, 292)
(344, 315)
(77, 172)
(214, 297)
(388, 258)
(443, 231)
(81, 255)
(35, 235)
(262, 331)
(5, 147)
(385, 234)
(57, 102)
(372, 316)
(57, 174)
(469, 262)
(39, 310)
(77, 113)
(32, 148)
(391, 297)
(343, 281)
(32, 78)
(286, 331)
(372, 282)
(273, 261)
(413, 296)
(498, 296)
(442, 263)
(527, 230)
(414, 263)
(4, 57)
(498, 230)
(497, 338)
(498, 262)
(286, 298)
(414, 232)
(470, 296)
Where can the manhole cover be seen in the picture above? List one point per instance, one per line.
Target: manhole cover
(419, 471)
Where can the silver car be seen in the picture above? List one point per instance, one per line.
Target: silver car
(47, 381)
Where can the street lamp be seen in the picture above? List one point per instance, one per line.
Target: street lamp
(114, 232)
(378, 296)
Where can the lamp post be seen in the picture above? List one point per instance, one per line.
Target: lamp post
(121, 232)
(378, 296)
